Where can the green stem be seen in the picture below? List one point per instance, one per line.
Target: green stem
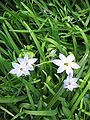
(43, 63)
(4, 109)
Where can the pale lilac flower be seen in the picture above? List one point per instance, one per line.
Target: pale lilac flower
(25, 64)
(70, 83)
(19, 69)
(28, 62)
(65, 63)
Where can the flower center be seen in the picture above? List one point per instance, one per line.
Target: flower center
(26, 63)
(69, 83)
(21, 69)
(66, 64)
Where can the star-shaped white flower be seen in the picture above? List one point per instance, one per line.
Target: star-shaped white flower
(25, 64)
(28, 62)
(19, 69)
(70, 83)
(65, 63)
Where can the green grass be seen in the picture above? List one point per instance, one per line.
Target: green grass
(37, 27)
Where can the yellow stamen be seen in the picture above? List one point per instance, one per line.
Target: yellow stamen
(26, 63)
(69, 83)
(21, 69)
(66, 64)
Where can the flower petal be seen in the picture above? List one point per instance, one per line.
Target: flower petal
(74, 65)
(60, 69)
(74, 80)
(26, 72)
(65, 86)
(69, 71)
(19, 73)
(70, 87)
(20, 60)
(26, 57)
(75, 85)
(57, 62)
(15, 65)
(13, 71)
(70, 57)
(69, 77)
(32, 60)
(65, 82)
(30, 67)
(62, 57)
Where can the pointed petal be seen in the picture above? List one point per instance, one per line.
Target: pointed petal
(15, 65)
(26, 57)
(65, 82)
(20, 60)
(23, 64)
(57, 62)
(65, 86)
(62, 57)
(19, 73)
(69, 71)
(75, 85)
(13, 71)
(74, 65)
(26, 72)
(70, 57)
(60, 69)
(69, 77)
(70, 87)
(30, 67)
(74, 80)
(32, 60)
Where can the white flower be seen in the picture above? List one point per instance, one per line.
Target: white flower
(24, 66)
(70, 83)
(19, 69)
(28, 62)
(65, 63)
